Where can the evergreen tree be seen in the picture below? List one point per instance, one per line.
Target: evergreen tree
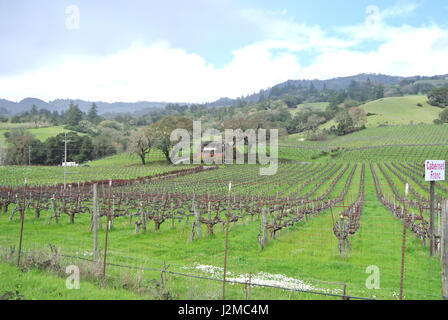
(92, 115)
(73, 115)
(313, 91)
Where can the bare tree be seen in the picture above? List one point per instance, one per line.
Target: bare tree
(314, 121)
(140, 145)
(358, 115)
(2, 154)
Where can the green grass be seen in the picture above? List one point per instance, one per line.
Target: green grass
(41, 134)
(44, 175)
(401, 110)
(44, 133)
(126, 159)
(368, 145)
(318, 106)
(308, 251)
(397, 111)
(41, 285)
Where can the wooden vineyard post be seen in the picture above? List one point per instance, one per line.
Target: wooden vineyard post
(197, 222)
(344, 292)
(193, 225)
(196, 225)
(107, 234)
(444, 247)
(172, 214)
(209, 216)
(22, 218)
(264, 229)
(143, 218)
(403, 248)
(95, 222)
(439, 229)
(248, 285)
(226, 245)
(431, 219)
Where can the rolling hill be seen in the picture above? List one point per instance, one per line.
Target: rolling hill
(291, 87)
(397, 111)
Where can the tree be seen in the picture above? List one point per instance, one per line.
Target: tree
(19, 142)
(79, 148)
(73, 115)
(33, 110)
(85, 150)
(160, 132)
(333, 106)
(38, 152)
(313, 91)
(140, 145)
(103, 147)
(358, 115)
(92, 115)
(438, 97)
(353, 89)
(314, 121)
(444, 115)
(345, 123)
(292, 101)
(379, 91)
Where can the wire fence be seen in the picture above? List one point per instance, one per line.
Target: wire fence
(248, 284)
(304, 259)
(329, 231)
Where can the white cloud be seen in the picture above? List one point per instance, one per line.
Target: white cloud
(157, 72)
(405, 51)
(160, 72)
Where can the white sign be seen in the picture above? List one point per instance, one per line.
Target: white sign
(434, 170)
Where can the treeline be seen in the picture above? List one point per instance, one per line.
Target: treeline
(23, 148)
(70, 117)
(359, 91)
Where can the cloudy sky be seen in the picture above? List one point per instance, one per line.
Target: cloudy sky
(201, 50)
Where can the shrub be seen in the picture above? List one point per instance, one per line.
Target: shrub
(444, 116)
(438, 97)
(318, 135)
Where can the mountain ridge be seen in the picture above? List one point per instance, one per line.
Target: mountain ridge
(26, 104)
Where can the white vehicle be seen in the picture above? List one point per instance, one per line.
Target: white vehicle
(69, 164)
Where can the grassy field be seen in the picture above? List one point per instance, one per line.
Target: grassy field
(397, 111)
(400, 111)
(41, 285)
(320, 106)
(126, 159)
(41, 134)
